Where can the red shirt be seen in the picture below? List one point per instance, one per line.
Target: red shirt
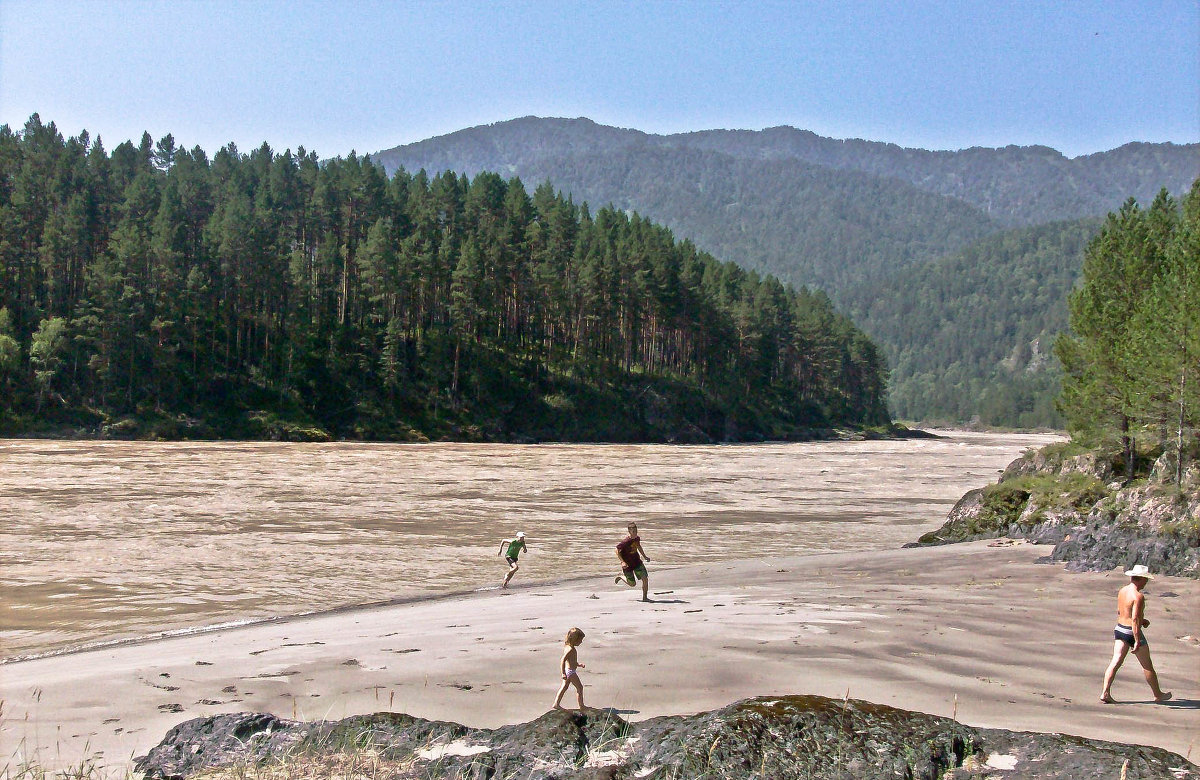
(626, 548)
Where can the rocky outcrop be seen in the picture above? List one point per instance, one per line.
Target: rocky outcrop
(1096, 520)
(791, 736)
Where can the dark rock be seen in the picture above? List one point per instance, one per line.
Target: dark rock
(1094, 524)
(789, 736)
(221, 740)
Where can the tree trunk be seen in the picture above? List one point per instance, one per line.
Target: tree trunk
(1127, 445)
(1179, 430)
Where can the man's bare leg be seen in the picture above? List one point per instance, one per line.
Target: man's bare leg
(511, 571)
(645, 588)
(1120, 650)
(1143, 656)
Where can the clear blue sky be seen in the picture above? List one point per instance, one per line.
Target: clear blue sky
(1080, 76)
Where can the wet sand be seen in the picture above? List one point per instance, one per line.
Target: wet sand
(979, 631)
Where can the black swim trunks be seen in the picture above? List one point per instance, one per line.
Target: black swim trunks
(1125, 634)
(511, 560)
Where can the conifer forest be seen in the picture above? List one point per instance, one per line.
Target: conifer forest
(153, 291)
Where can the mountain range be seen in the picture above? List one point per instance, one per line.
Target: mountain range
(867, 222)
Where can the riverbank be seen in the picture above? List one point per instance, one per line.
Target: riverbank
(980, 632)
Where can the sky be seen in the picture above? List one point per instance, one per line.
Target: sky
(1078, 76)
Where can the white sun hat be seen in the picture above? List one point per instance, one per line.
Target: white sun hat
(520, 534)
(1139, 571)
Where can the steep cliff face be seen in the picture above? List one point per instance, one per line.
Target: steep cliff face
(1095, 519)
(790, 736)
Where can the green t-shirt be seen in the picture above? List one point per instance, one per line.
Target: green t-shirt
(514, 547)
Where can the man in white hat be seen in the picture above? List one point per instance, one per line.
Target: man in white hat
(1128, 635)
(511, 548)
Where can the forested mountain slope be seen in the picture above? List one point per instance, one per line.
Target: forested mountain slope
(886, 231)
(806, 224)
(971, 335)
(156, 292)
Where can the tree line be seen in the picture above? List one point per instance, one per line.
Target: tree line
(1131, 360)
(156, 291)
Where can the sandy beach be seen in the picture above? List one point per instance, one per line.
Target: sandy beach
(980, 631)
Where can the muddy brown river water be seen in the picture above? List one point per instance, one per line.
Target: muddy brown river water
(103, 541)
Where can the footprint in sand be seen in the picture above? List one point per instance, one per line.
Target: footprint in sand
(170, 708)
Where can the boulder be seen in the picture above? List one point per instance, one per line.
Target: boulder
(787, 736)
(1094, 523)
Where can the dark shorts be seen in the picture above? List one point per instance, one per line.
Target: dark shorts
(511, 560)
(639, 571)
(1124, 634)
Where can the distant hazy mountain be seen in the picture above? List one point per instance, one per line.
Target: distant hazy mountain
(1015, 185)
(880, 227)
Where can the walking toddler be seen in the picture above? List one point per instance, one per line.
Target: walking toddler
(568, 666)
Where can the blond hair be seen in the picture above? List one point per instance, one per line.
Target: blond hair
(574, 637)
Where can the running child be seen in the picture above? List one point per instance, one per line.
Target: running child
(630, 554)
(510, 549)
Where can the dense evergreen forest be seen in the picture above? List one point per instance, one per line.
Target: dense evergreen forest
(805, 224)
(1131, 360)
(152, 291)
(970, 336)
(957, 263)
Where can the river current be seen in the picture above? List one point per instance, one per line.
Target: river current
(101, 541)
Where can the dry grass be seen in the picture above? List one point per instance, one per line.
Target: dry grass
(28, 762)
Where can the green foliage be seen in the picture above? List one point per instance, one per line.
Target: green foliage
(806, 224)
(1022, 502)
(1132, 357)
(10, 350)
(967, 336)
(1186, 529)
(159, 293)
(1002, 506)
(1058, 493)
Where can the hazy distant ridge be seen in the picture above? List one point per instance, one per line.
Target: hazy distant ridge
(1015, 185)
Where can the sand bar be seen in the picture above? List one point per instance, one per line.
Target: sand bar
(1021, 645)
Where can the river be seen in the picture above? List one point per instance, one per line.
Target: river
(103, 541)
